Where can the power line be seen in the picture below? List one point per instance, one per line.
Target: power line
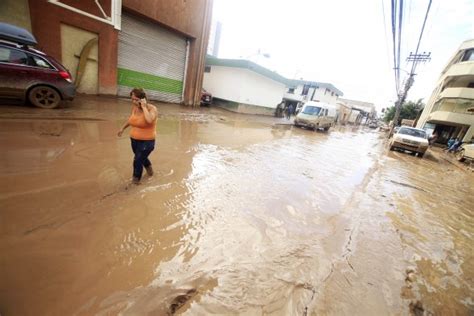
(385, 32)
(415, 59)
(393, 14)
(400, 23)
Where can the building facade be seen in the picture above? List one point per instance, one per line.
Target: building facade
(243, 86)
(361, 112)
(111, 46)
(300, 91)
(450, 109)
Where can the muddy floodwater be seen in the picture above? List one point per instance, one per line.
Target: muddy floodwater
(244, 216)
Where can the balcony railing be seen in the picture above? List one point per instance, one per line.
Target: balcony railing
(458, 105)
(462, 93)
(464, 68)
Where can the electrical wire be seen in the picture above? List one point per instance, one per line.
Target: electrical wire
(395, 66)
(413, 67)
(400, 25)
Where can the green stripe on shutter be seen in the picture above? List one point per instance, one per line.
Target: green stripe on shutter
(136, 79)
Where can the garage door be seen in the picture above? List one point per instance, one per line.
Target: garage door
(152, 58)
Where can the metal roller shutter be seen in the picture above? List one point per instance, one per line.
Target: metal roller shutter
(152, 58)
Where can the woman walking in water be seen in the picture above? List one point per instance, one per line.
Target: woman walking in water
(142, 134)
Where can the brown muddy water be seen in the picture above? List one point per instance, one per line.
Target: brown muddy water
(243, 217)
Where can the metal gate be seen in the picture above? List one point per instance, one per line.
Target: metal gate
(152, 58)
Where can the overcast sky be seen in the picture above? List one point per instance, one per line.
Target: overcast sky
(344, 42)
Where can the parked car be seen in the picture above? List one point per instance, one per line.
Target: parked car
(465, 152)
(410, 138)
(29, 74)
(316, 115)
(206, 98)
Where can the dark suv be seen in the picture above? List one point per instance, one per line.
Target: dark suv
(28, 74)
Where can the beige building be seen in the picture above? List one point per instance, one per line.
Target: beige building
(450, 110)
(354, 111)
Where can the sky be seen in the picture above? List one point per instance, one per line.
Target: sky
(344, 42)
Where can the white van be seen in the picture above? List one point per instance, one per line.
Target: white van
(316, 115)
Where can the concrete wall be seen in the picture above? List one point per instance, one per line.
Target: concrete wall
(243, 108)
(191, 18)
(46, 20)
(243, 86)
(16, 12)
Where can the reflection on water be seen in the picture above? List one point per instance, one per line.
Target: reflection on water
(240, 217)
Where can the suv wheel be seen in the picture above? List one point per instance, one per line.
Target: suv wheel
(44, 97)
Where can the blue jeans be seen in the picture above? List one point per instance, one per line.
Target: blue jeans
(142, 149)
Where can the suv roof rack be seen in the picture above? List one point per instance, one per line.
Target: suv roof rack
(16, 34)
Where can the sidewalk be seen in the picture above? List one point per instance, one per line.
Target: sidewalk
(441, 155)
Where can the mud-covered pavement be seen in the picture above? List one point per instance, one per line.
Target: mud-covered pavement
(242, 217)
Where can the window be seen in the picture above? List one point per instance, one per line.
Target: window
(326, 91)
(305, 90)
(470, 85)
(291, 90)
(311, 110)
(468, 55)
(12, 56)
(4, 55)
(207, 69)
(412, 132)
(332, 94)
(40, 62)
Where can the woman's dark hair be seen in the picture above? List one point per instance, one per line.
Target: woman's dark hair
(139, 93)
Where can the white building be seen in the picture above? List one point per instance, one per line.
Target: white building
(450, 110)
(243, 86)
(300, 91)
(246, 87)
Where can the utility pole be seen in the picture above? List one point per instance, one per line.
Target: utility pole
(415, 59)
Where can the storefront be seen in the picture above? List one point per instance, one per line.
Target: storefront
(151, 57)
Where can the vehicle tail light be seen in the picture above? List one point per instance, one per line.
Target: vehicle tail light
(65, 75)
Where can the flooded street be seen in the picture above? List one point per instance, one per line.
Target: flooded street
(243, 216)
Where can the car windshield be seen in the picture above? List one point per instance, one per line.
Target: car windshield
(412, 132)
(311, 110)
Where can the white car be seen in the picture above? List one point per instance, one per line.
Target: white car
(466, 152)
(410, 138)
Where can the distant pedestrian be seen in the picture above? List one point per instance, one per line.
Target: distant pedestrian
(279, 109)
(142, 134)
(290, 111)
(433, 138)
(450, 142)
(454, 147)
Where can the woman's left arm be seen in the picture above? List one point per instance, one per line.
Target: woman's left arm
(150, 114)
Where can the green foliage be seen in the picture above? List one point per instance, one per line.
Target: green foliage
(408, 111)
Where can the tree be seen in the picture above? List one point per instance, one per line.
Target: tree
(408, 111)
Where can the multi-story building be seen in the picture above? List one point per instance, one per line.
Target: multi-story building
(450, 109)
(159, 45)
